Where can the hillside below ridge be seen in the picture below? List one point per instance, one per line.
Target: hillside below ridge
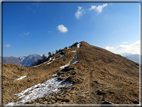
(82, 73)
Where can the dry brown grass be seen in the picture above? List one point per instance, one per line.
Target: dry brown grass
(100, 76)
(35, 75)
(12, 86)
(114, 74)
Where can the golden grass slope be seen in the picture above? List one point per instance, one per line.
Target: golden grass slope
(99, 77)
(35, 75)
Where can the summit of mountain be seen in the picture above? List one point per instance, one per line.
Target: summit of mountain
(80, 74)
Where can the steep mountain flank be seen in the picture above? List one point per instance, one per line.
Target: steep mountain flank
(80, 74)
(113, 78)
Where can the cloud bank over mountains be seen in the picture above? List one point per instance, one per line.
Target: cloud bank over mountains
(133, 48)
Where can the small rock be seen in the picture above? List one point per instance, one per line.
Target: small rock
(63, 102)
(49, 103)
(73, 72)
(53, 98)
(49, 86)
(100, 92)
(40, 100)
(38, 86)
(45, 102)
(57, 103)
(61, 78)
(53, 101)
(32, 101)
(59, 98)
(27, 102)
(65, 99)
(47, 97)
(82, 95)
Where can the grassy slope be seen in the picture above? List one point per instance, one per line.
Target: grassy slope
(110, 77)
(35, 75)
(100, 76)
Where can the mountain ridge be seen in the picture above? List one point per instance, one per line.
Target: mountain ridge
(25, 61)
(94, 75)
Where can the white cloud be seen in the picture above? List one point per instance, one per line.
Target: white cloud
(50, 31)
(92, 7)
(124, 42)
(133, 48)
(82, 11)
(32, 10)
(62, 28)
(99, 8)
(79, 12)
(110, 4)
(8, 45)
(25, 34)
(108, 48)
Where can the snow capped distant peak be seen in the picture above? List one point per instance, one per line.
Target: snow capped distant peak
(22, 58)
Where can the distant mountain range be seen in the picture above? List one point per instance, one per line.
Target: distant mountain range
(133, 57)
(25, 61)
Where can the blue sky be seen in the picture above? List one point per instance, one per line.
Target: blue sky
(37, 28)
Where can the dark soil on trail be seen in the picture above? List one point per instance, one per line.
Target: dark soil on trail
(100, 77)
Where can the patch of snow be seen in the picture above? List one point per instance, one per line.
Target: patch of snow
(78, 45)
(50, 58)
(21, 59)
(54, 59)
(39, 64)
(51, 61)
(21, 77)
(42, 63)
(62, 67)
(41, 90)
(54, 75)
(75, 62)
(74, 51)
(10, 104)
